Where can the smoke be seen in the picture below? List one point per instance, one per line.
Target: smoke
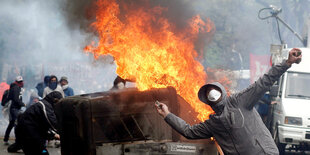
(81, 13)
(55, 32)
(37, 39)
(36, 30)
(240, 32)
(48, 37)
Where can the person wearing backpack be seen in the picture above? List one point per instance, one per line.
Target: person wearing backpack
(5, 97)
(15, 95)
(6, 103)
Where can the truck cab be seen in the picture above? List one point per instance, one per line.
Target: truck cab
(291, 111)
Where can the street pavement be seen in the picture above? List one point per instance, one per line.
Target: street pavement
(3, 148)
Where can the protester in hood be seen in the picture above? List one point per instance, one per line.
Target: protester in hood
(236, 125)
(36, 125)
(15, 95)
(42, 85)
(65, 86)
(119, 83)
(53, 86)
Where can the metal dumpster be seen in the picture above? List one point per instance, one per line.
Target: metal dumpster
(125, 122)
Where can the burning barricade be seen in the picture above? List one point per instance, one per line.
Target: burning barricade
(125, 122)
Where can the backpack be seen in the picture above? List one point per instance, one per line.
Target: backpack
(5, 97)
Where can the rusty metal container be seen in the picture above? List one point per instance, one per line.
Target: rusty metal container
(121, 118)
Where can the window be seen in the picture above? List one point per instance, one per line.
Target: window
(298, 85)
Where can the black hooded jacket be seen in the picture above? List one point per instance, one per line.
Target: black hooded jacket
(236, 125)
(15, 96)
(40, 86)
(38, 119)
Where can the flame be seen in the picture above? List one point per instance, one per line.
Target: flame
(148, 49)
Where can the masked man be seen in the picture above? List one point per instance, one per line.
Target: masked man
(53, 86)
(236, 125)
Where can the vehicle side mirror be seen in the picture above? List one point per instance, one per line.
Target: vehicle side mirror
(274, 91)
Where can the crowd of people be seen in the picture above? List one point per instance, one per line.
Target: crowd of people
(34, 122)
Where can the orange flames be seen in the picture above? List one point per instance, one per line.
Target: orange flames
(148, 49)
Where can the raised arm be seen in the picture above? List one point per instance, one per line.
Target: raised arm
(254, 92)
(197, 131)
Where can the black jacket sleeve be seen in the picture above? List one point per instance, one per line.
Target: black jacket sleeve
(52, 117)
(197, 131)
(249, 97)
(49, 115)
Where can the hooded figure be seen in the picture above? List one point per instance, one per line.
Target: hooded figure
(40, 86)
(53, 86)
(119, 83)
(65, 86)
(37, 124)
(15, 95)
(213, 94)
(236, 125)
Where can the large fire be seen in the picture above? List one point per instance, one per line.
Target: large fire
(148, 50)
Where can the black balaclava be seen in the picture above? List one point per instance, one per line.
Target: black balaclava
(53, 97)
(53, 85)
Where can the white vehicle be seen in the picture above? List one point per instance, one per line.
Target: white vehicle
(291, 112)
